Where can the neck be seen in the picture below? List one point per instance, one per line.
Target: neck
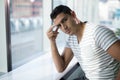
(80, 31)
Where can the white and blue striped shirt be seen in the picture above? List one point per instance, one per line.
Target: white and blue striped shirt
(92, 54)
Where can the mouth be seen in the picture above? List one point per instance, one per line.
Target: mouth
(67, 31)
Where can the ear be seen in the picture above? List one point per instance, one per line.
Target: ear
(75, 18)
(73, 14)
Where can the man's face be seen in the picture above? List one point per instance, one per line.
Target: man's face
(65, 22)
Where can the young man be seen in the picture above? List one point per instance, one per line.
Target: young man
(96, 47)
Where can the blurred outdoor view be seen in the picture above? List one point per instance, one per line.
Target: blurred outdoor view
(26, 30)
(109, 12)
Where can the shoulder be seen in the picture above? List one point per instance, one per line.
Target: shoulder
(102, 28)
(91, 27)
(104, 37)
(103, 31)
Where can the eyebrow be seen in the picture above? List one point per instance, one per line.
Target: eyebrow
(61, 20)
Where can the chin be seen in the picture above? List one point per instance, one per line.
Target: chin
(70, 34)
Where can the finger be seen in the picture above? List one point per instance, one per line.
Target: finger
(52, 34)
(51, 28)
(57, 29)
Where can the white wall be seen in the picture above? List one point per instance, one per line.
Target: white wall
(3, 51)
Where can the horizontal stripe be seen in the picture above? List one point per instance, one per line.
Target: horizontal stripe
(91, 52)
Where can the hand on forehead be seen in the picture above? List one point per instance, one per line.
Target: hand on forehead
(55, 28)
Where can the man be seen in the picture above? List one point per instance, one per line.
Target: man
(96, 47)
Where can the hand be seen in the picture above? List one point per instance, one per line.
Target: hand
(52, 34)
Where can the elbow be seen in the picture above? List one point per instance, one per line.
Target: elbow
(60, 70)
(61, 67)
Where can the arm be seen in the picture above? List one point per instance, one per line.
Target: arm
(107, 40)
(114, 50)
(118, 75)
(61, 61)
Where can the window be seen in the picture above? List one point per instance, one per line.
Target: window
(109, 13)
(26, 24)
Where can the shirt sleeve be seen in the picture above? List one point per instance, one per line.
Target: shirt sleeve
(104, 37)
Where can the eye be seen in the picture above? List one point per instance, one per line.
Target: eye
(59, 25)
(64, 19)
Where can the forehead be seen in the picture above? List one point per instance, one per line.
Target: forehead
(59, 18)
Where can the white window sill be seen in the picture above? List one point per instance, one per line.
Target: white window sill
(41, 68)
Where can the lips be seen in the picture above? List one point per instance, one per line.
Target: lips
(67, 31)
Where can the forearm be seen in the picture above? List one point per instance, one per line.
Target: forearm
(118, 75)
(57, 58)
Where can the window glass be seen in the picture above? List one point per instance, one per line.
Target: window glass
(109, 13)
(26, 26)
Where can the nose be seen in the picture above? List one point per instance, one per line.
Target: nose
(64, 26)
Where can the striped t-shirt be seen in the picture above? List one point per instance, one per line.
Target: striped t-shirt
(92, 54)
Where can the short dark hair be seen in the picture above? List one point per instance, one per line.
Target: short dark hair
(60, 9)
